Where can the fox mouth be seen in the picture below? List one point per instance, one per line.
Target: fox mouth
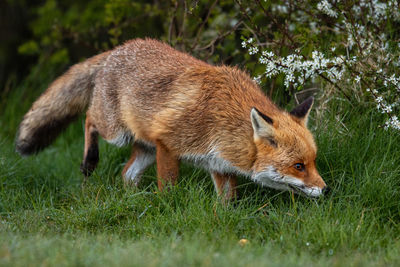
(305, 191)
(297, 189)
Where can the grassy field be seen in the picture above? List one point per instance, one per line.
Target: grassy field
(47, 218)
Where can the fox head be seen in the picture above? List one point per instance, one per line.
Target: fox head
(286, 151)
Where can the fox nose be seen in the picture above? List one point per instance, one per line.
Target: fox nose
(326, 190)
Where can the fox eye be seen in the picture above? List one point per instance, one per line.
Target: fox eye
(299, 166)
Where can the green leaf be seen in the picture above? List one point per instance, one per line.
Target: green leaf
(29, 48)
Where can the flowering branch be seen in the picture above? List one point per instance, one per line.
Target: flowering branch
(363, 58)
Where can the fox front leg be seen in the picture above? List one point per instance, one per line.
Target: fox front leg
(141, 158)
(91, 151)
(167, 166)
(225, 185)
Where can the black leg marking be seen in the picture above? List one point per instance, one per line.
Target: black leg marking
(91, 158)
(90, 162)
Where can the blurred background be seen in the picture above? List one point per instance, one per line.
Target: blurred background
(328, 48)
(41, 38)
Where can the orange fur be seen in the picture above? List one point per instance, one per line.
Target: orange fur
(167, 166)
(225, 185)
(185, 109)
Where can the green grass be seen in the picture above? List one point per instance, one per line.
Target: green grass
(47, 218)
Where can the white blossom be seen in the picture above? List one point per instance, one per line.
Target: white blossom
(253, 50)
(326, 7)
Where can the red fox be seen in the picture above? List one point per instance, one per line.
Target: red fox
(170, 107)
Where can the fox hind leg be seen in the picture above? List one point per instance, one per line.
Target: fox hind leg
(141, 158)
(91, 151)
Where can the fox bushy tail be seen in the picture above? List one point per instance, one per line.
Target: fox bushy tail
(66, 98)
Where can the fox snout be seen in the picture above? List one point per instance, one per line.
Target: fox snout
(273, 178)
(311, 185)
(314, 191)
(315, 183)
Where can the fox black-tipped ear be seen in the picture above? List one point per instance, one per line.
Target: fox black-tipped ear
(301, 111)
(262, 124)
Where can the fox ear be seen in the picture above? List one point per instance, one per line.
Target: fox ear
(262, 125)
(303, 110)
